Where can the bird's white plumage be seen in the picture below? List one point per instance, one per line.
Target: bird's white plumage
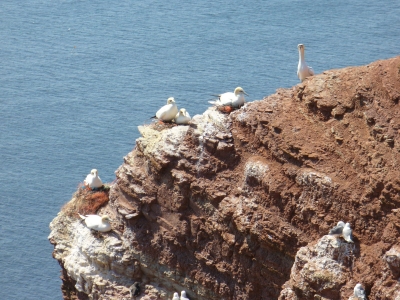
(168, 112)
(338, 229)
(182, 117)
(347, 233)
(235, 99)
(93, 180)
(303, 71)
(96, 222)
(359, 291)
(176, 296)
(183, 296)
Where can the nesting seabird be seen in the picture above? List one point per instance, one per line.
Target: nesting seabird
(235, 99)
(168, 112)
(96, 222)
(303, 71)
(359, 292)
(347, 233)
(134, 289)
(183, 296)
(337, 230)
(182, 117)
(176, 296)
(93, 180)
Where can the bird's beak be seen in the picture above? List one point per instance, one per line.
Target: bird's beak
(245, 93)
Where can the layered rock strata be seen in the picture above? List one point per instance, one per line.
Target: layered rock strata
(238, 206)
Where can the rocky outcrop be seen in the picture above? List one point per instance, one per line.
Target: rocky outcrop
(238, 206)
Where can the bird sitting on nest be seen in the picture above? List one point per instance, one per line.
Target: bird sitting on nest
(183, 117)
(93, 180)
(226, 102)
(97, 223)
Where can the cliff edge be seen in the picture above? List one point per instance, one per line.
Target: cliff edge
(239, 206)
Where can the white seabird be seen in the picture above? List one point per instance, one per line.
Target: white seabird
(176, 296)
(96, 222)
(183, 296)
(182, 117)
(359, 292)
(235, 99)
(303, 71)
(168, 112)
(93, 180)
(337, 230)
(347, 233)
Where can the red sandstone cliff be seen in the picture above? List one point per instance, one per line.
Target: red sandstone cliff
(236, 206)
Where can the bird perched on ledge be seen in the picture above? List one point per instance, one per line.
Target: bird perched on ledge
(359, 292)
(93, 180)
(176, 296)
(168, 112)
(303, 71)
(338, 229)
(234, 100)
(183, 296)
(97, 223)
(182, 117)
(347, 233)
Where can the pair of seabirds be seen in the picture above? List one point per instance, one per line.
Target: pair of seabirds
(344, 230)
(183, 296)
(169, 113)
(95, 222)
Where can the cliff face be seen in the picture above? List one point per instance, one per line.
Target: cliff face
(236, 206)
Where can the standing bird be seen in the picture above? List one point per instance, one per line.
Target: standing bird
(168, 112)
(97, 223)
(183, 296)
(338, 229)
(303, 71)
(359, 292)
(235, 99)
(134, 289)
(176, 296)
(182, 117)
(93, 180)
(347, 233)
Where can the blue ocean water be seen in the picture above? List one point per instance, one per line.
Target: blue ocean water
(77, 77)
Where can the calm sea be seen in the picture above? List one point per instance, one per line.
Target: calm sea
(78, 77)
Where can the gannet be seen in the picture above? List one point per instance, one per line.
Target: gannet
(183, 296)
(168, 112)
(182, 117)
(347, 233)
(303, 71)
(96, 222)
(337, 230)
(93, 180)
(176, 296)
(235, 99)
(359, 292)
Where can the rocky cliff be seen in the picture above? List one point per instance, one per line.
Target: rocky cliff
(237, 206)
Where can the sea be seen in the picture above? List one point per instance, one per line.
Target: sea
(77, 78)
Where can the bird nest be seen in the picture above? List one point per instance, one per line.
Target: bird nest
(86, 201)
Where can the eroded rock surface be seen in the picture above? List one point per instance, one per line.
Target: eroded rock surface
(238, 206)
